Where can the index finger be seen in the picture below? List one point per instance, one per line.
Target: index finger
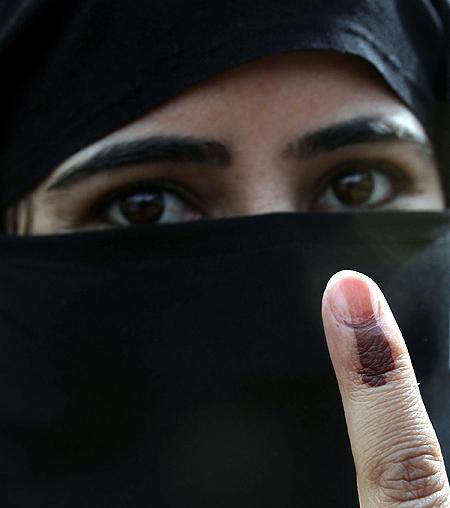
(397, 455)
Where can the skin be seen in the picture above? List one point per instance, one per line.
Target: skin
(398, 460)
(257, 110)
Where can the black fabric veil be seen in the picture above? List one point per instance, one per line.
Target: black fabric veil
(75, 71)
(184, 365)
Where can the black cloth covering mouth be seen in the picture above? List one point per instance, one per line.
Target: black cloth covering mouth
(75, 71)
(185, 365)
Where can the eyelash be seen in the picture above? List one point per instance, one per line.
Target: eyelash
(100, 206)
(400, 177)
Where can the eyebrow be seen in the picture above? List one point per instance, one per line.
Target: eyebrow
(353, 132)
(174, 149)
(179, 149)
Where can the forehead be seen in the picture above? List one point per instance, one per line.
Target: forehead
(270, 100)
(311, 88)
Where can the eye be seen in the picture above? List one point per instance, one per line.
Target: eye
(144, 204)
(356, 186)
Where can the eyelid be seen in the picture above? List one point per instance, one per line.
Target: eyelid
(100, 205)
(401, 176)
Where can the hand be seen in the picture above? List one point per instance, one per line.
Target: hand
(396, 452)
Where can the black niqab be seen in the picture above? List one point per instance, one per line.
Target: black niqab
(73, 72)
(184, 365)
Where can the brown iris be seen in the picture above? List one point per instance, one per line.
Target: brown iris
(354, 187)
(142, 207)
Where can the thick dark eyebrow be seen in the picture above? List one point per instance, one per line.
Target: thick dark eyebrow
(353, 132)
(154, 149)
(213, 153)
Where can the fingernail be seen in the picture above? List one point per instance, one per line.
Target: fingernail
(354, 301)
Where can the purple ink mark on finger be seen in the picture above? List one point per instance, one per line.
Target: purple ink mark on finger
(374, 352)
(359, 308)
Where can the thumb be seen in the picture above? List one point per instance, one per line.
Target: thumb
(396, 452)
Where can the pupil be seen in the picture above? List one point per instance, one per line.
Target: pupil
(354, 188)
(142, 207)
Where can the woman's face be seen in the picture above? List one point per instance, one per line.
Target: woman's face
(310, 132)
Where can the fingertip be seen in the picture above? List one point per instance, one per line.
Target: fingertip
(352, 297)
(347, 274)
(361, 331)
(339, 281)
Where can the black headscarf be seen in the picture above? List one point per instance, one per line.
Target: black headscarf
(74, 71)
(184, 365)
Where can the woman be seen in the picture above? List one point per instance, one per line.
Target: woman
(184, 364)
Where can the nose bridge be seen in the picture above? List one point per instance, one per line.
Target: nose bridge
(265, 204)
(260, 185)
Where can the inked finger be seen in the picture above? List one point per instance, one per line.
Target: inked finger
(397, 455)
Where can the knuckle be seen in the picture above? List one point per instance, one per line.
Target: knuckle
(415, 476)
